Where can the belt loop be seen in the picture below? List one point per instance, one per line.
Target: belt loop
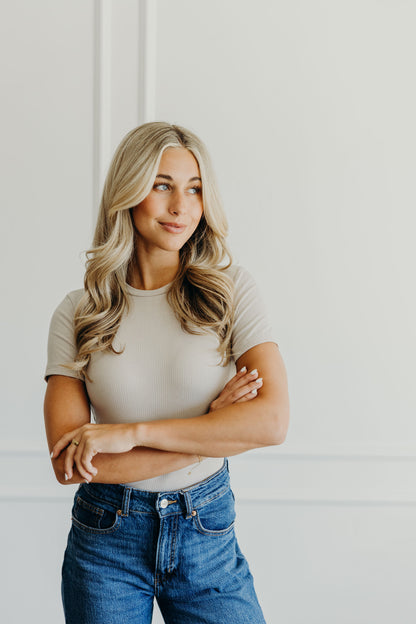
(188, 503)
(125, 502)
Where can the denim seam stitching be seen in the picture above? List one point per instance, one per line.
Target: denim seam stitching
(209, 500)
(82, 503)
(103, 500)
(138, 511)
(173, 549)
(88, 529)
(204, 531)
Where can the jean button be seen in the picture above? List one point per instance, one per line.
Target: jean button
(164, 503)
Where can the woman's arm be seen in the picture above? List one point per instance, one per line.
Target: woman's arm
(67, 407)
(234, 428)
(237, 426)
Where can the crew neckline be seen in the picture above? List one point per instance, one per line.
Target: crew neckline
(136, 292)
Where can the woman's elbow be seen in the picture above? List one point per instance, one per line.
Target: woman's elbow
(58, 468)
(60, 476)
(279, 425)
(61, 479)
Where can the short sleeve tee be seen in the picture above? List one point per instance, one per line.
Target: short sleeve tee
(163, 371)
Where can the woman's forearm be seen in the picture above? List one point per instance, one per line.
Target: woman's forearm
(136, 465)
(235, 427)
(235, 423)
(227, 431)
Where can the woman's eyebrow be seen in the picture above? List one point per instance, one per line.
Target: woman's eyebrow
(168, 177)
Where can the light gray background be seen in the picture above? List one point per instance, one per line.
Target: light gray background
(307, 107)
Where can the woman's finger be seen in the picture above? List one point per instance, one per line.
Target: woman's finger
(247, 397)
(73, 454)
(235, 380)
(69, 461)
(88, 453)
(243, 391)
(240, 379)
(238, 382)
(233, 396)
(62, 443)
(79, 460)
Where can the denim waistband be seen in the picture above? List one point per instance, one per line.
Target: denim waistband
(127, 499)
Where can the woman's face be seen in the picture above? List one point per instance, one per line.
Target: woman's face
(170, 214)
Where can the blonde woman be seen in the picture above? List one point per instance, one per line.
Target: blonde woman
(151, 347)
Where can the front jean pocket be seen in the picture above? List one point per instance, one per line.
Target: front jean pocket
(93, 518)
(217, 516)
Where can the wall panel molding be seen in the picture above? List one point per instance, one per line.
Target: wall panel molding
(392, 451)
(102, 97)
(147, 72)
(369, 475)
(124, 78)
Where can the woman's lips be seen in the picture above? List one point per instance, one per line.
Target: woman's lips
(174, 228)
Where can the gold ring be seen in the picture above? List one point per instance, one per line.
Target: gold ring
(75, 442)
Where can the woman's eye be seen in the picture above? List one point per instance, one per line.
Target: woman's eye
(195, 190)
(162, 186)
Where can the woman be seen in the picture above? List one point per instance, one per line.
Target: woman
(150, 345)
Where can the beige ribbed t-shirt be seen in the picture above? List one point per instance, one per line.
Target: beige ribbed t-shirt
(163, 372)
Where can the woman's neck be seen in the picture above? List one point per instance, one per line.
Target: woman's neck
(147, 275)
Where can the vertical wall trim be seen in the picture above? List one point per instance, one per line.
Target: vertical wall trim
(147, 61)
(102, 98)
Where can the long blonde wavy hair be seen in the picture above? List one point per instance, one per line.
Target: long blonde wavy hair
(201, 294)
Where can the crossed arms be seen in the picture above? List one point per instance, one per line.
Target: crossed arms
(238, 420)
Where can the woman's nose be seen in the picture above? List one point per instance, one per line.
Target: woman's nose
(177, 204)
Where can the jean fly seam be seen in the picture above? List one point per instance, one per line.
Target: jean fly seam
(156, 572)
(174, 542)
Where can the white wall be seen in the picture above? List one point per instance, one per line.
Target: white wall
(308, 110)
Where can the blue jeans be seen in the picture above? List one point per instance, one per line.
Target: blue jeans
(127, 547)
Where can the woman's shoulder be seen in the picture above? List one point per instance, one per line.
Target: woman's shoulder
(251, 323)
(235, 270)
(75, 295)
(69, 302)
(239, 274)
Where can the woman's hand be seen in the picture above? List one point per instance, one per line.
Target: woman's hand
(86, 441)
(242, 387)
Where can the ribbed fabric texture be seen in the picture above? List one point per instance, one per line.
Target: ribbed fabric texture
(163, 372)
